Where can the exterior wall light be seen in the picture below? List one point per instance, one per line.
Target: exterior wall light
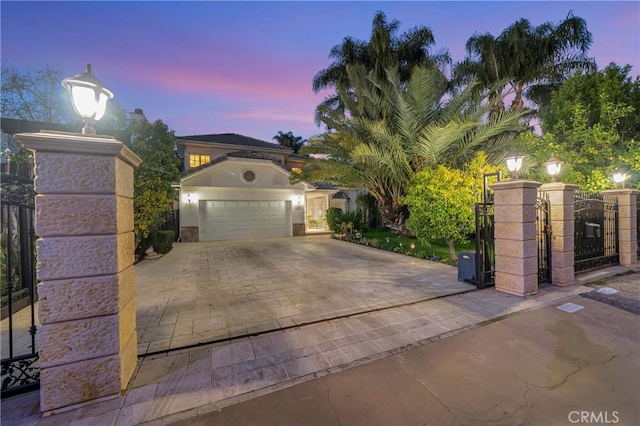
(553, 166)
(619, 176)
(514, 163)
(189, 198)
(89, 98)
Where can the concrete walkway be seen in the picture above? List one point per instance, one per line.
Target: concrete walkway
(206, 292)
(178, 385)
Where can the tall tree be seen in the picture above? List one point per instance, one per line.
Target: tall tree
(384, 50)
(593, 124)
(35, 96)
(534, 60)
(395, 129)
(289, 140)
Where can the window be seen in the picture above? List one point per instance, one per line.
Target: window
(196, 160)
(249, 176)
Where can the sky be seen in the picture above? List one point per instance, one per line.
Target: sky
(247, 67)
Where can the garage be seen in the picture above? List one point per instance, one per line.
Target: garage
(242, 220)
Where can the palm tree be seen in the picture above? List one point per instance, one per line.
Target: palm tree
(534, 59)
(290, 140)
(384, 50)
(395, 129)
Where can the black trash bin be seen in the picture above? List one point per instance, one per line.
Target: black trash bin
(467, 266)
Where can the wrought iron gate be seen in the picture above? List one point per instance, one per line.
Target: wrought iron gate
(596, 231)
(543, 235)
(20, 370)
(485, 245)
(485, 239)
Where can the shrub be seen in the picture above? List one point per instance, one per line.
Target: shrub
(334, 219)
(162, 242)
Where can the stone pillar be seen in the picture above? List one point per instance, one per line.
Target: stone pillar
(627, 225)
(515, 236)
(85, 252)
(562, 200)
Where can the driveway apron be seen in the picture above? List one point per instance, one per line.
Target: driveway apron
(212, 291)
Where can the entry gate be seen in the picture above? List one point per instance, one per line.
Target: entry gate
(485, 239)
(543, 235)
(596, 231)
(20, 370)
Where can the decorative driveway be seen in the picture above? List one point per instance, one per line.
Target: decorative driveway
(211, 291)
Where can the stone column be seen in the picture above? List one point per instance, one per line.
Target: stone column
(627, 225)
(562, 200)
(515, 236)
(85, 253)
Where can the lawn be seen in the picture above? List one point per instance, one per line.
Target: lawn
(436, 247)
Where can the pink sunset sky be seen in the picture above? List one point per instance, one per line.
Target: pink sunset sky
(246, 67)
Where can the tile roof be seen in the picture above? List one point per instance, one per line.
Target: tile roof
(233, 139)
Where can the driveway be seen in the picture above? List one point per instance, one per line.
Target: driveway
(211, 291)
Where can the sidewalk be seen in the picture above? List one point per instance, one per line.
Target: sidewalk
(178, 385)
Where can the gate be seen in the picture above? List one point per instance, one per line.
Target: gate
(596, 231)
(485, 239)
(543, 235)
(172, 223)
(20, 370)
(485, 245)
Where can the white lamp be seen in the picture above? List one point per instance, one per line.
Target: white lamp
(514, 163)
(553, 166)
(89, 98)
(619, 176)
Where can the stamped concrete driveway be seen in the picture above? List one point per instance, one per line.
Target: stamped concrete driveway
(210, 291)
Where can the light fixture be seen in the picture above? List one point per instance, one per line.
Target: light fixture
(189, 198)
(619, 176)
(553, 166)
(514, 163)
(89, 98)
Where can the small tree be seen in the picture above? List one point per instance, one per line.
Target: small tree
(441, 206)
(153, 193)
(441, 201)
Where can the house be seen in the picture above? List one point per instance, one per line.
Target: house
(238, 187)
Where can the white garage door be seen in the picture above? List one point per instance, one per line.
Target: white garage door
(242, 220)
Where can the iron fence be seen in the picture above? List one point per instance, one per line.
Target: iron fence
(596, 231)
(19, 364)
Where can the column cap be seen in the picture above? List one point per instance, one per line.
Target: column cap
(76, 143)
(621, 191)
(558, 186)
(512, 184)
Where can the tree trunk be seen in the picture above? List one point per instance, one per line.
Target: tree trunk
(452, 249)
(393, 217)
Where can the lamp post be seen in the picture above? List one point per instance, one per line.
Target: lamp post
(89, 98)
(553, 166)
(619, 176)
(514, 163)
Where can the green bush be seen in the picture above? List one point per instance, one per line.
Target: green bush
(346, 223)
(334, 219)
(162, 242)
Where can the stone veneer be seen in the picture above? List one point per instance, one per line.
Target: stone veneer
(516, 246)
(85, 252)
(627, 225)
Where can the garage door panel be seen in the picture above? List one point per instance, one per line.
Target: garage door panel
(238, 219)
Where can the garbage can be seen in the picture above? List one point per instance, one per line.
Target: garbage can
(467, 266)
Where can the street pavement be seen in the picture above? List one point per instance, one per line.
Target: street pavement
(543, 367)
